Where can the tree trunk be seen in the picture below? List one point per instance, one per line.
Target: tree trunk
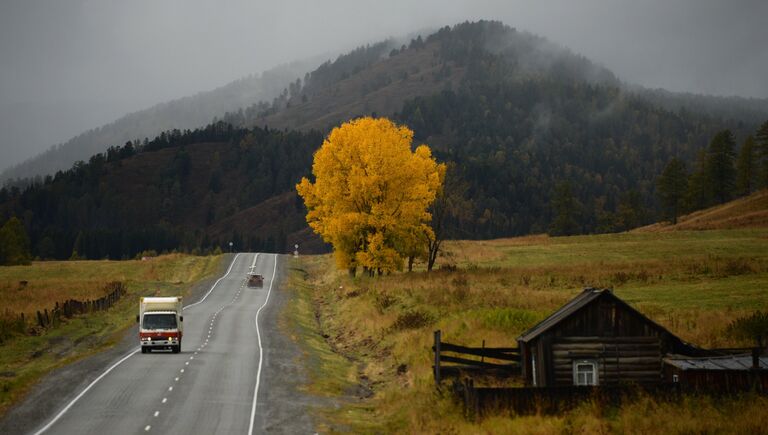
(352, 271)
(410, 263)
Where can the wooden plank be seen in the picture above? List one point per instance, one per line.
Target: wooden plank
(454, 371)
(508, 354)
(569, 356)
(436, 350)
(457, 360)
(622, 339)
(605, 346)
(622, 369)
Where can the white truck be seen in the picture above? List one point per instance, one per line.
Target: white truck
(161, 324)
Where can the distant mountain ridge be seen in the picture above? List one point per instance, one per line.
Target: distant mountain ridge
(184, 113)
(274, 98)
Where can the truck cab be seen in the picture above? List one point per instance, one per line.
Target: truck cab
(161, 325)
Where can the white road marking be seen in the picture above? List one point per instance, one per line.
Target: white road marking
(214, 284)
(176, 380)
(182, 370)
(165, 399)
(186, 363)
(112, 367)
(157, 413)
(146, 429)
(82, 393)
(170, 388)
(261, 350)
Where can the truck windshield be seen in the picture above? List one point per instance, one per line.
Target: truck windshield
(159, 321)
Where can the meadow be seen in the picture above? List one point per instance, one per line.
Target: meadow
(367, 340)
(26, 357)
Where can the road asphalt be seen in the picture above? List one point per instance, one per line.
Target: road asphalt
(231, 376)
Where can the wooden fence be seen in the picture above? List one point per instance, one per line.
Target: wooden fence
(481, 401)
(506, 360)
(45, 319)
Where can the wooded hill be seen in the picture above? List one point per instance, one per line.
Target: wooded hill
(527, 123)
(194, 190)
(530, 129)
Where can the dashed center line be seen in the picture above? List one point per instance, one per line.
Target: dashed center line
(165, 399)
(146, 429)
(157, 413)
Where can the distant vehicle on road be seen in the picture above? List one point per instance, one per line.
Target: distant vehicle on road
(255, 280)
(161, 324)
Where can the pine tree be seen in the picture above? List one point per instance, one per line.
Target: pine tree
(720, 172)
(697, 195)
(761, 152)
(566, 211)
(673, 185)
(746, 170)
(14, 243)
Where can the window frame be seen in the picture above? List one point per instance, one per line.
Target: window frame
(595, 372)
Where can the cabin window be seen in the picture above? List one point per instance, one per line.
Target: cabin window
(533, 367)
(585, 372)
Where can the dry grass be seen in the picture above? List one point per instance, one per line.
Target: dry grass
(748, 212)
(49, 282)
(693, 283)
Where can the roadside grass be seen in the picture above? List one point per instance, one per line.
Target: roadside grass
(24, 359)
(693, 283)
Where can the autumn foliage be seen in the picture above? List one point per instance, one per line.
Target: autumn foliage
(371, 194)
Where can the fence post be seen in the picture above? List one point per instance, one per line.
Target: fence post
(437, 358)
(471, 402)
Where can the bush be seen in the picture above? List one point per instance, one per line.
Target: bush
(414, 319)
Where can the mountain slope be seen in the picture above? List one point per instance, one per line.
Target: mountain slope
(185, 113)
(180, 191)
(748, 212)
(521, 117)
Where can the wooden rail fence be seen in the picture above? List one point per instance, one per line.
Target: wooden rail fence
(507, 360)
(10, 323)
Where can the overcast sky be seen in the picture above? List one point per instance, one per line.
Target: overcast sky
(70, 65)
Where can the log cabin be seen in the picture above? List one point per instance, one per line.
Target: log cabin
(597, 339)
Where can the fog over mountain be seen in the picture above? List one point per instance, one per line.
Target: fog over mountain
(72, 65)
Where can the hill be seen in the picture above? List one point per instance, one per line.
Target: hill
(524, 120)
(184, 113)
(748, 212)
(192, 190)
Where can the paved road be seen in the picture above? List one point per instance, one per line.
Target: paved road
(208, 388)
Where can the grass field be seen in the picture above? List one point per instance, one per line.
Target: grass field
(380, 329)
(24, 359)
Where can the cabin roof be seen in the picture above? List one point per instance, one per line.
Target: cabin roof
(583, 299)
(730, 362)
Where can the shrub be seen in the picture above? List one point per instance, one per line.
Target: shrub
(413, 319)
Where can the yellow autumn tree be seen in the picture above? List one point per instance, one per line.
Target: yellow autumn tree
(371, 193)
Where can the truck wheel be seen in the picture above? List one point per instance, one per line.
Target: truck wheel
(177, 348)
(144, 349)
